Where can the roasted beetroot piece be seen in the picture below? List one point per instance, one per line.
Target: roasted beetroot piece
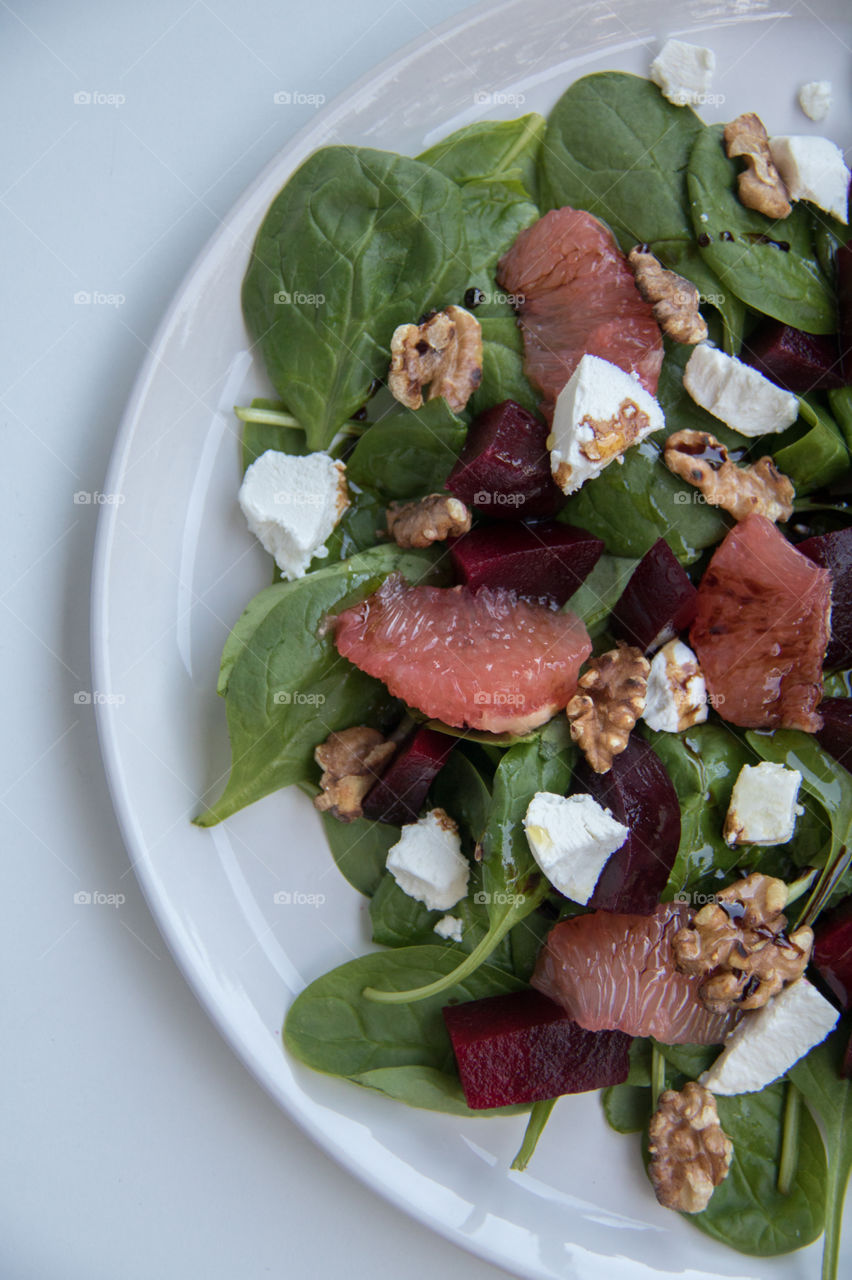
(832, 954)
(835, 736)
(843, 266)
(639, 793)
(545, 559)
(503, 470)
(793, 359)
(398, 795)
(524, 1048)
(833, 551)
(658, 602)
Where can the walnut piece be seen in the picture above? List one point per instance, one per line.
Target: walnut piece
(760, 185)
(352, 761)
(675, 300)
(443, 353)
(740, 945)
(613, 435)
(609, 700)
(690, 1152)
(759, 489)
(432, 519)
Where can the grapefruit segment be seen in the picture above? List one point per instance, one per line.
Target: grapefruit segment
(481, 659)
(575, 295)
(615, 971)
(761, 629)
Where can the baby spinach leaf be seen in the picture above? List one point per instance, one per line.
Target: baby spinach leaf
(284, 436)
(496, 210)
(840, 404)
(540, 1113)
(360, 850)
(829, 1099)
(627, 1107)
(427, 1088)
(286, 687)
(357, 242)
(813, 457)
(408, 453)
(595, 600)
(743, 244)
(503, 376)
(358, 529)
(331, 1027)
(491, 149)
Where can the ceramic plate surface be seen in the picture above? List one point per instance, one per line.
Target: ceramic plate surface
(175, 565)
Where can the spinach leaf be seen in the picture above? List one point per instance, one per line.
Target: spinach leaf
(829, 1099)
(503, 376)
(786, 285)
(357, 242)
(360, 850)
(595, 600)
(495, 211)
(490, 149)
(627, 1106)
(358, 529)
(286, 687)
(815, 457)
(408, 454)
(332, 1028)
(462, 792)
(284, 436)
(840, 404)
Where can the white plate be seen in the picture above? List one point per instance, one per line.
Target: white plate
(175, 565)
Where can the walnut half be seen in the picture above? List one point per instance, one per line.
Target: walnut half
(690, 1152)
(675, 300)
(443, 353)
(432, 519)
(760, 185)
(759, 489)
(351, 760)
(609, 700)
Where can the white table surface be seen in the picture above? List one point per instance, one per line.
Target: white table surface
(135, 1144)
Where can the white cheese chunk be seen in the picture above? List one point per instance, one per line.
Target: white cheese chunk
(736, 394)
(292, 504)
(449, 927)
(676, 696)
(572, 839)
(427, 862)
(599, 413)
(683, 71)
(770, 1040)
(815, 99)
(813, 169)
(763, 808)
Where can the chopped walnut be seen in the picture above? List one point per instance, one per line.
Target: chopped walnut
(443, 353)
(432, 519)
(760, 185)
(613, 435)
(690, 1152)
(759, 489)
(740, 945)
(352, 761)
(675, 300)
(610, 699)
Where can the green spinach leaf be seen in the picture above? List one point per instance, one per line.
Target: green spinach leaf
(360, 850)
(408, 454)
(258, 436)
(503, 376)
(491, 149)
(813, 457)
(595, 600)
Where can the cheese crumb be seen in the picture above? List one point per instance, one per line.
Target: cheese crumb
(427, 862)
(763, 808)
(572, 839)
(449, 927)
(292, 504)
(815, 99)
(813, 169)
(683, 72)
(676, 696)
(736, 394)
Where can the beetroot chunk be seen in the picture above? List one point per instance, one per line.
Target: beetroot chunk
(524, 1048)
(546, 559)
(658, 602)
(793, 359)
(833, 551)
(835, 736)
(832, 954)
(504, 468)
(398, 795)
(639, 793)
(843, 264)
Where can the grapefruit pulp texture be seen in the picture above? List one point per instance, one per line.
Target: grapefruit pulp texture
(761, 629)
(483, 659)
(575, 295)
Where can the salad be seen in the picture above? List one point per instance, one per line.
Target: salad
(560, 629)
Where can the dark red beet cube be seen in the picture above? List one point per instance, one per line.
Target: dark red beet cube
(843, 264)
(835, 736)
(399, 794)
(658, 602)
(832, 954)
(833, 551)
(793, 359)
(546, 559)
(503, 470)
(639, 793)
(524, 1048)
